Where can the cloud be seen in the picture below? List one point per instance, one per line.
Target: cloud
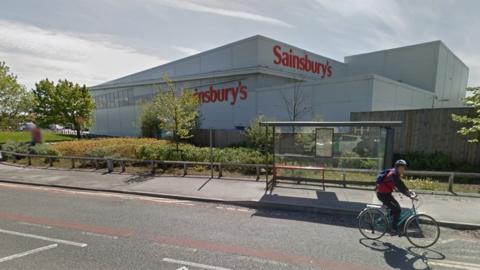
(186, 50)
(35, 53)
(196, 7)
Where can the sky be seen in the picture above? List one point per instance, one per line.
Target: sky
(94, 41)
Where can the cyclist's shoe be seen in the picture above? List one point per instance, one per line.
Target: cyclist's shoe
(395, 232)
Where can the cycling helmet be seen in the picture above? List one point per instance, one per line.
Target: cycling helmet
(401, 162)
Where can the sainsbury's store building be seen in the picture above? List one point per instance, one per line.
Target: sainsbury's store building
(260, 76)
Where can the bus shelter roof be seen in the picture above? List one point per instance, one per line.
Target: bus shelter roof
(384, 124)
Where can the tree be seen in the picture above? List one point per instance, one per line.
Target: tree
(15, 100)
(295, 104)
(258, 136)
(177, 111)
(149, 122)
(63, 103)
(471, 123)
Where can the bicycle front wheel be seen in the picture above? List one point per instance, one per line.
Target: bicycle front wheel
(422, 231)
(372, 223)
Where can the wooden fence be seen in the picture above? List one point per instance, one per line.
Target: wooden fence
(428, 131)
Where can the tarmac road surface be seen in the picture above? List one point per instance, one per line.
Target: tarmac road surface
(48, 228)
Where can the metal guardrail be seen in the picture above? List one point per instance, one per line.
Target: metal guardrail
(451, 175)
(110, 163)
(259, 168)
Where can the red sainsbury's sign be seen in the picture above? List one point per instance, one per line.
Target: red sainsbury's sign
(222, 94)
(287, 58)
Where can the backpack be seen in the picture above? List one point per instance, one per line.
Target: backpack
(381, 176)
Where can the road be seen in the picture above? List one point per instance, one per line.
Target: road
(44, 228)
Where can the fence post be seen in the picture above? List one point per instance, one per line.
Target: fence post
(73, 163)
(220, 173)
(184, 169)
(29, 160)
(154, 166)
(96, 164)
(344, 178)
(109, 165)
(211, 153)
(450, 182)
(50, 159)
(123, 166)
(14, 159)
(257, 168)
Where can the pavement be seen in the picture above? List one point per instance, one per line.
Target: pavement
(460, 212)
(57, 228)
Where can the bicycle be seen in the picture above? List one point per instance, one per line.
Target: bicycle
(420, 229)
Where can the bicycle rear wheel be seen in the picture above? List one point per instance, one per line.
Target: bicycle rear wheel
(422, 231)
(372, 223)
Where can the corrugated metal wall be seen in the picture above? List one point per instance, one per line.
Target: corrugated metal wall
(427, 130)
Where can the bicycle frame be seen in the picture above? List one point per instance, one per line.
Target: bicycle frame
(404, 215)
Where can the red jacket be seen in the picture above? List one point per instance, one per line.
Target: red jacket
(390, 182)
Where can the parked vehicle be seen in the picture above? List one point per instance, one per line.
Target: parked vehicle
(55, 127)
(26, 126)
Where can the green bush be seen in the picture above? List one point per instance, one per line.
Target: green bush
(435, 162)
(354, 161)
(149, 122)
(201, 154)
(17, 147)
(43, 149)
(258, 137)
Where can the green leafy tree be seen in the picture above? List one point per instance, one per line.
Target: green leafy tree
(177, 111)
(15, 100)
(149, 122)
(258, 136)
(63, 103)
(471, 124)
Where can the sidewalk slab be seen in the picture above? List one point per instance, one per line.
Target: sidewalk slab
(450, 210)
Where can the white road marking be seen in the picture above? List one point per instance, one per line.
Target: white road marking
(100, 235)
(23, 254)
(55, 240)
(454, 264)
(35, 225)
(199, 265)
(175, 247)
(182, 268)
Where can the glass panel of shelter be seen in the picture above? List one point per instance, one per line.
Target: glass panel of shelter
(334, 147)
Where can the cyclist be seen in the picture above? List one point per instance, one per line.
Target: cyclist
(386, 184)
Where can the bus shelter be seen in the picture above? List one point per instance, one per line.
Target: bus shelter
(309, 147)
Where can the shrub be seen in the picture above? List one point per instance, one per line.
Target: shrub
(258, 137)
(126, 147)
(202, 154)
(17, 147)
(149, 122)
(435, 162)
(353, 160)
(43, 149)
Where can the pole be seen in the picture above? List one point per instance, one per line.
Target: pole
(211, 153)
(388, 155)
